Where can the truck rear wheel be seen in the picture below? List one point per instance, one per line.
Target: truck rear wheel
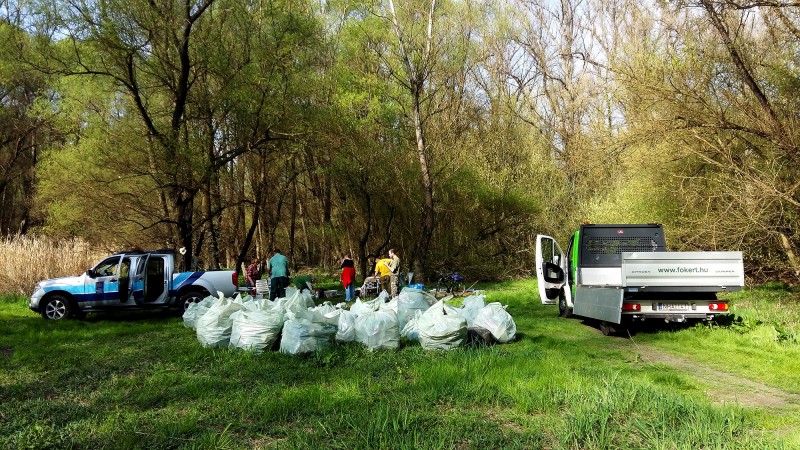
(563, 310)
(193, 296)
(607, 329)
(613, 329)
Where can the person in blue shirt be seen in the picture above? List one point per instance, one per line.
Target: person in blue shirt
(279, 275)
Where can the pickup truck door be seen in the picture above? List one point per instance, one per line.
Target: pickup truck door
(102, 289)
(138, 279)
(551, 268)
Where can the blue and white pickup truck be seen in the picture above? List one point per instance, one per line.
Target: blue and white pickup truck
(127, 281)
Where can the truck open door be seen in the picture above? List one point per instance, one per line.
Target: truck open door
(139, 279)
(550, 269)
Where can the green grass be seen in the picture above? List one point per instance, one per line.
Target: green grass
(142, 381)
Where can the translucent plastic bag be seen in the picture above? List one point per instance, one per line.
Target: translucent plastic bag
(498, 321)
(256, 329)
(196, 311)
(325, 308)
(392, 305)
(408, 303)
(214, 328)
(470, 307)
(416, 295)
(301, 336)
(346, 331)
(360, 307)
(410, 330)
(378, 330)
(441, 327)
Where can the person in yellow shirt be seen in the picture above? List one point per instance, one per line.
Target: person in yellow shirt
(384, 273)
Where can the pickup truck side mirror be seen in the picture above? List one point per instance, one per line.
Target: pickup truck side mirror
(91, 273)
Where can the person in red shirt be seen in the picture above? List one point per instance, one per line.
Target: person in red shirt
(252, 274)
(348, 278)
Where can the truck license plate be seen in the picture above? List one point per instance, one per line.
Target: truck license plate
(673, 306)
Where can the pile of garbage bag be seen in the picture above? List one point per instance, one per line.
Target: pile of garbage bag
(296, 326)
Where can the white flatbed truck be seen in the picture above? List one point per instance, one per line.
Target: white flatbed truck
(623, 274)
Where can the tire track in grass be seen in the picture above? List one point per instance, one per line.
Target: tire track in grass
(721, 387)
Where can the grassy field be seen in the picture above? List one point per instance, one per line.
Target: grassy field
(143, 381)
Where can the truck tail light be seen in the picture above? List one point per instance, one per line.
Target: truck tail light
(235, 279)
(631, 307)
(718, 306)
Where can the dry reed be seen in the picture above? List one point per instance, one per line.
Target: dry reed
(26, 260)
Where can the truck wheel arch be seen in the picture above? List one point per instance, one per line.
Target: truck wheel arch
(72, 308)
(190, 293)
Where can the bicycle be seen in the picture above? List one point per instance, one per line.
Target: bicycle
(450, 283)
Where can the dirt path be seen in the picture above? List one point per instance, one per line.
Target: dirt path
(721, 387)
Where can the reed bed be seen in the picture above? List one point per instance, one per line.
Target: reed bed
(26, 260)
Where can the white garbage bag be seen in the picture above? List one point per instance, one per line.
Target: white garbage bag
(408, 303)
(196, 311)
(498, 321)
(441, 327)
(410, 330)
(392, 305)
(470, 307)
(214, 328)
(325, 308)
(304, 336)
(378, 330)
(295, 304)
(383, 297)
(308, 298)
(256, 329)
(417, 295)
(346, 331)
(367, 307)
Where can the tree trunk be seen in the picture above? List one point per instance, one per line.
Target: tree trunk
(790, 254)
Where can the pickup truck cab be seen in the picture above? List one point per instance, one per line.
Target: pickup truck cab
(127, 281)
(621, 274)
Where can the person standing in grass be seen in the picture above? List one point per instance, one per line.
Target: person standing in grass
(383, 273)
(279, 275)
(252, 274)
(394, 267)
(348, 278)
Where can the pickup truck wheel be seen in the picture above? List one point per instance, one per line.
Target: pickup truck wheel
(189, 298)
(607, 329)
(57, 307)
(564, 310)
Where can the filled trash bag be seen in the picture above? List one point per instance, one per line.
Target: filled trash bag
(301, 336)
(196, 311)
(308, 331)
(498, 321)
(391, 305)
(441, 327)
(325, 308)
(256, 329)
(367, 307)
(378, 330)
(294, 304)
(408, 303)
(470, 307)
(214, 328)
(410, 330)
(346, 330)
(416, 295)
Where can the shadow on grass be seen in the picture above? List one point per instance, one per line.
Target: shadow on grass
(158, 315)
